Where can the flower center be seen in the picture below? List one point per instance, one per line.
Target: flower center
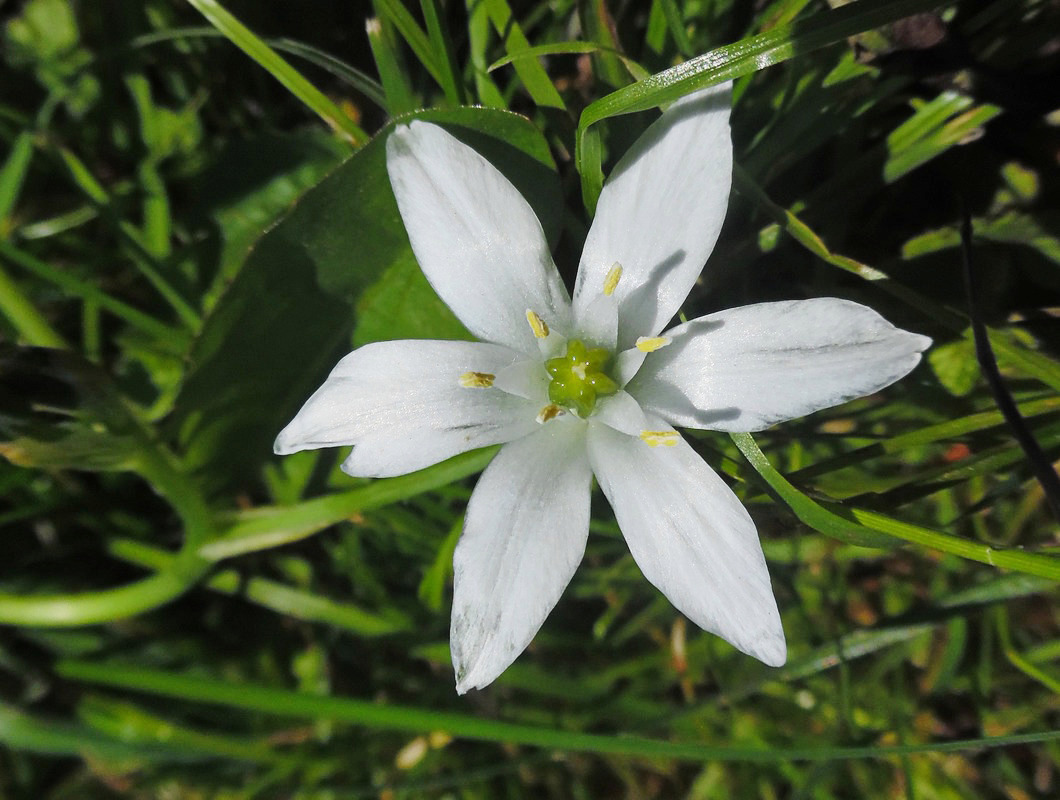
(578, 378)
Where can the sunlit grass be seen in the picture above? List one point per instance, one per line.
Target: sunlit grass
(195, 222)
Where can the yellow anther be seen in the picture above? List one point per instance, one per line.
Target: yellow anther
(613, 276)
(551, 411)
(649, 344)
(476, 380)
(656, 438)
(537, 325)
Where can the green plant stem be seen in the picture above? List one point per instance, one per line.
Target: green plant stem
(267, 527)
(741, 58)
(377, 716)
(243, 38)
(87, 292)
(823, 519)
(162, 471)
(24, 316)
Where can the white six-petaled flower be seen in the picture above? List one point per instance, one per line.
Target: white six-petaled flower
(592, 385)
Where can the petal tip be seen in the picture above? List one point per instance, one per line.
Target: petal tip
(285, 443)
(773, 652)
(920, 342)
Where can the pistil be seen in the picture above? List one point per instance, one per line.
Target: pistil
(578, 378)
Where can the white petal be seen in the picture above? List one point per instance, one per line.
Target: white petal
(403, 407)
(627, 363)
(524, 535)
(747, 368)
(475, 237)
(525, 379)
(621, 412)
(691, 538)
(660, 214)
(598, 324)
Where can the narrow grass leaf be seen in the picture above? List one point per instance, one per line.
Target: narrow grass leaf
(247, 41)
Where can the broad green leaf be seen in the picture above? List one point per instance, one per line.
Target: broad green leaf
(402, 305)
(283, 321)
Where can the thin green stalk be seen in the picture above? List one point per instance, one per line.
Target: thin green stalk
(1029, 669)
(24, 317)
(743, 58)
(283, 599)
(845, 522)
(144, 259)
(89, 608)
(247, 41)
(400, 99)
(395, 13)
(378, 716)
(12, 178)
(266, 527)
(87, 292)
(165, 475)
(535, 79)
(443, 50)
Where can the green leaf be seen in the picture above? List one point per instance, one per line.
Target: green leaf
(245, 39)
(283, 320)
(936, 126)
(955, 366)
(440, 571)
(376, 715)
(402, 305)
(740, 58)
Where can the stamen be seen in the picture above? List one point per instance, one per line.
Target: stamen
(476, 380)
(611, 281)
(650, 344)
(537, 325)
(656, 438)
(551, 411)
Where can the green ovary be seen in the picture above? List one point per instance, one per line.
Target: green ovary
(578, 378)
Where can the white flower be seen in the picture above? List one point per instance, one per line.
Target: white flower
(591, 386)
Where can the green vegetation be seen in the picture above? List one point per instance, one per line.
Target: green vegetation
(196, 223)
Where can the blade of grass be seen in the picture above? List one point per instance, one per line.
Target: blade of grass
(266, 527)
(676, 26)
(125, 721)
(12, 176)
(951, 429)
(31, 324)
(443, 53)
(1042, 467)
(352, 76)
(860, 521)
(746, 56)
(31, 734)
(88, 292)
(1031, 670)
(278, 597)
(400, 99)
(570, 48)
(534, 77)
(418, 41)
(377, 716)
(599, 26)
(143, 258)
(478, 36)
(1013, 352)
(243, 38)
